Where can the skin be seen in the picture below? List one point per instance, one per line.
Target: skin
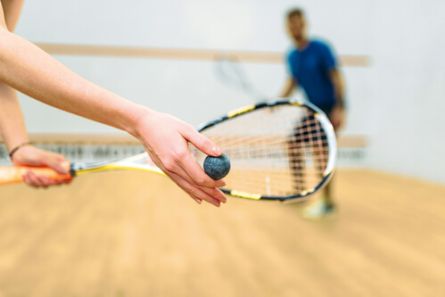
(297, 30)
(11, 116)
(28, 69)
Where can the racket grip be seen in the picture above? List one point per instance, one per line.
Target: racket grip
(14, 174)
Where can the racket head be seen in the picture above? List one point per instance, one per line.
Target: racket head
(281, 150)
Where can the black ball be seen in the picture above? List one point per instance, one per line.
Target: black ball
(217, 167)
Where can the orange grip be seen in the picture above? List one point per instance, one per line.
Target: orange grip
(14, 174)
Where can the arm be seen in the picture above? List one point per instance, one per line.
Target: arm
(12, 126)
(339, 87)
(10, 112)
(12, 129)
(337, 115)
(28, 69)
(289, 87)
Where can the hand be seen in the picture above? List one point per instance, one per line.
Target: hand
(32, 156)
(337, 117)
(166, 139)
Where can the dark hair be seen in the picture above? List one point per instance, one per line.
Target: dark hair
(295, 12)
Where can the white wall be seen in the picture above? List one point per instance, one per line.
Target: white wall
(396, 101)
(408, 88)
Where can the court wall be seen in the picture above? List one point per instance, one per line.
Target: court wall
(395, 101)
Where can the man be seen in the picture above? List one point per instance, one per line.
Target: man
(314, 67)
(26, 68)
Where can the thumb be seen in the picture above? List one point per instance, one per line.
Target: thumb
(58, 163)
(203, 143)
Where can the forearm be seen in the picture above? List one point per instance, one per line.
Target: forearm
(12, 126)
(288, 89)
(339, 88)
(33, 72)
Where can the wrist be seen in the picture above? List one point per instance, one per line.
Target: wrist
(17, 148)
(14, 138)
(340, 104)
(135, 119)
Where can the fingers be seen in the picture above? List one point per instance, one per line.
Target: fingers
(36, 181)
(59, 164)
(198, 192)
(209, 195)
(189, 164)
(168, 148)
(201, 142)
(56, 162)
(190, 167)
(41, 181)
(181, 162)
(189, 170)
(216, 193)
(32, 156)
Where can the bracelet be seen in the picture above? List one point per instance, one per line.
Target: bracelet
(15, 149)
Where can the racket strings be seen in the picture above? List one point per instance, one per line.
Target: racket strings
(278, 152)
(256, 144)
(294, 143)
(298, 178)
(307, 170)
(254, 147)
(310, 129)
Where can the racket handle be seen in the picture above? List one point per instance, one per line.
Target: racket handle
(14, 174)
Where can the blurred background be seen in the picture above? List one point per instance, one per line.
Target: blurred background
(96, 238)
(403, 76)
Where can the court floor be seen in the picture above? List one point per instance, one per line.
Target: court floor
(133, 234)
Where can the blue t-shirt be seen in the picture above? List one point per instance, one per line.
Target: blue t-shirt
(310, 68)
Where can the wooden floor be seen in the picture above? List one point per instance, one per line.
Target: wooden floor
(133, 234)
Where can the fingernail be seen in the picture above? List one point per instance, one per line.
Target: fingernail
(216, 150)
(199, 201)
(65, 166)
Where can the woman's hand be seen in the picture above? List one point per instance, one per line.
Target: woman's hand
(166, 140)
(31, 156)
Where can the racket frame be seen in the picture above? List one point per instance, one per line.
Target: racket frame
(318, 114)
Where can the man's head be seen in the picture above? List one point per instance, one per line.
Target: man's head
(296, 24)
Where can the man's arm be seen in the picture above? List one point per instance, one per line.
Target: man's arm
(339, 87)
(337, 115)
(330, 63)
(30, 70)
(288, 88)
